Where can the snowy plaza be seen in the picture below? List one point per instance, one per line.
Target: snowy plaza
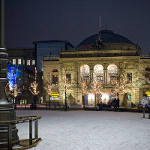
(88, 130)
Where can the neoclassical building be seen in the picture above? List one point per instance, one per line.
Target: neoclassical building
(101, 67)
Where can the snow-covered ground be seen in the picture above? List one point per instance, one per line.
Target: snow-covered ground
(88, 130)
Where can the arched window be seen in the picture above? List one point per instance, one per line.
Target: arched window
(55, 70)
(85, 73)
(98, 73)
(111, 73)
(55, 79)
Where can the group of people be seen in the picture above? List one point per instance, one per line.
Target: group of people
(116, 104)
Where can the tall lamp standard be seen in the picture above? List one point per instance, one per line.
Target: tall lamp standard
(65, 99)
(7, 112)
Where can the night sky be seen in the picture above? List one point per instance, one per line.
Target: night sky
(27, 21)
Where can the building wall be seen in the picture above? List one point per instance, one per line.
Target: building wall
(27, 76)
(25, 55)
(126, 64)
(45, 48)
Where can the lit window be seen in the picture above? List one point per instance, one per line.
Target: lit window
(33, 62)
(112, 79)
(129, 77)
(87, 79)
(14, 61)
(28, 62)
(23, 62)
(55, 70)
(68, 78)
(54, 79)
(100, 78)
(19, 61)
(85, 73)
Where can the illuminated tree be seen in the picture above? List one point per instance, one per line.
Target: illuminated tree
(66, 84)
(33, 87)
(121, 85)
(143, 80)
(13, 87)
(96, 87)
(13, 92)
(83, 82)
(49, 87)
(82, 86)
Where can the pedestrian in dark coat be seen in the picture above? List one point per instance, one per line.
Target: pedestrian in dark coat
(118, 103)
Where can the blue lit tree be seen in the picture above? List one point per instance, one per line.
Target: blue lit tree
(14, 74)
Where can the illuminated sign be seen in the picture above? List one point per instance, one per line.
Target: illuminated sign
(54, 94)
(148, 93)
(54, 98)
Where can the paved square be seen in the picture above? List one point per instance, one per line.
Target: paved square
(89, 130)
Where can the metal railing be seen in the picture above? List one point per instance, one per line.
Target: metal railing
(23, 119)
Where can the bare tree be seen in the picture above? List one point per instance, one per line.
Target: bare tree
(33, 87)
(121, 85)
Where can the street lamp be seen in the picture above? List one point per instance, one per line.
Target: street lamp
(65, 99)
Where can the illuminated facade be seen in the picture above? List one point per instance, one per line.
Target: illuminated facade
(102, 66)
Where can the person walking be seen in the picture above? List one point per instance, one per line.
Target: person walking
(144, 102)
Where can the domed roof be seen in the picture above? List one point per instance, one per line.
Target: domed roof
(107, 36)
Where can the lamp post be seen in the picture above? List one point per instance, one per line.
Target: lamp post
(65, 99)
(7, 112)
(95, 101)
(65, 81)
(83, 102)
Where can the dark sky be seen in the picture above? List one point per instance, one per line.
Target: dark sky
(27, 21)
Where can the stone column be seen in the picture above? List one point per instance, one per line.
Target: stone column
(91, 75)
(105, 76)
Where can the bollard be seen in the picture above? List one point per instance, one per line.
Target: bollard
(36, 129)
(30, 132)
(143, 112)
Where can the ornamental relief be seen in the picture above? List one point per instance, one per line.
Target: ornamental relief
(68, 68)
